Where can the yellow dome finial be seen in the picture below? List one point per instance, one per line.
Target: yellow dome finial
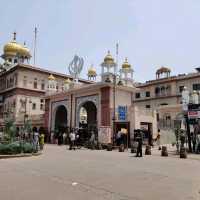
(67, 81)
(92, 71)
(126, 65)
(109, 59)
(51, 77)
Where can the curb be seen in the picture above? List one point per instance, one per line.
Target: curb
(20, 155)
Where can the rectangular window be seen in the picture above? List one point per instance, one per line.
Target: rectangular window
(148, 106)
(181, 88)
(196, 86)
(41, 106)
(34, 106)
(137, 95)
(42, 85)
(147, 94)
(25, 81)
(35, 83)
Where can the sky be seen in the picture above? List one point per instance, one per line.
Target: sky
(150, 33)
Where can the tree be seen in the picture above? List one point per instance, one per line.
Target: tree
(10, 129)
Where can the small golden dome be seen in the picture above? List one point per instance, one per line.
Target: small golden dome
(126, 65)
(67, 81)
(109, 59)
(24, 51)
(92, 71)
(51, 78)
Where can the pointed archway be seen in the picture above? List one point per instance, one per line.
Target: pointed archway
(87, 120)
(60, 122)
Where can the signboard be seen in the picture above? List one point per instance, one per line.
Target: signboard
(104, 135)
(122, 113)
(194, 114)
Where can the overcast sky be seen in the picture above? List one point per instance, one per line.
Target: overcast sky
(151, 33)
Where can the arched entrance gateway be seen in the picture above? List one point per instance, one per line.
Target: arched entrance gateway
(59, 125)
(87, 118)
(60, 119)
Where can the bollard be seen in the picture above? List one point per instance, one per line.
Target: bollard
(164, 151)
(183, 152)
(148, 150)
(109, 147)
(121, 148)
(133, 150)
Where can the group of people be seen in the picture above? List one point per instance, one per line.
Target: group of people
(195, 136)
(34, 137)
(75, 138)
(38, 141)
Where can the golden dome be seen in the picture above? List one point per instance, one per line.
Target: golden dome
(67, 81)
(12, 48)
(51, 78)
(92, 71)
(109, 59)
(24, 51)
(126, 65)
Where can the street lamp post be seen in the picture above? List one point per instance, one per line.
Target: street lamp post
(115, 76)
(185, 102)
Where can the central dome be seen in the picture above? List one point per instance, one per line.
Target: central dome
(126, 65)
(109, 59)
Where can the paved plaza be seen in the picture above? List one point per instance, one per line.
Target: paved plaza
(60, 174)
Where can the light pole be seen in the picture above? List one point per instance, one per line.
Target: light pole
(185, 102)
(115, 76)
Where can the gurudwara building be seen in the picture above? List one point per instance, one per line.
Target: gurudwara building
(104, 107)
(23, 86)
(56, 102)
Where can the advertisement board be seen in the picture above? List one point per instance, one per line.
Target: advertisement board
(194, 114)
(104, 135)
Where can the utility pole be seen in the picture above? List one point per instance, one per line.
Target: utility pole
(35, 43)
(114, 93)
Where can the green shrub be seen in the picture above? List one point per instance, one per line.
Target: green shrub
(11, 148)
(28, 148)
(16, 148)
(4, 149)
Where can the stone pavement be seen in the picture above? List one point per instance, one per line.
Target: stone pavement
(60, 174)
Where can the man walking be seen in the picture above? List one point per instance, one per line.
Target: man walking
(72, 137)
(139, 147)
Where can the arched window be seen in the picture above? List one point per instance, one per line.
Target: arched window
(157, 91)
(163, 90)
